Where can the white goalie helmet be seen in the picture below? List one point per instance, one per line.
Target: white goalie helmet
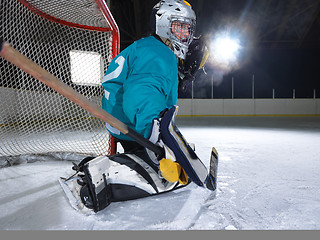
(175, 21)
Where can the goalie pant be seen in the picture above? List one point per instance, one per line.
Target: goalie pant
(120, 177)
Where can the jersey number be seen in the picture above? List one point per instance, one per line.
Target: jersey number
(115, 73)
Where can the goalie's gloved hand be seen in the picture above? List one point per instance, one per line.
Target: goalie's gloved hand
(195, 60)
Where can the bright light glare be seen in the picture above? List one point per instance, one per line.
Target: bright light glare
(225, 50)
(86, 68)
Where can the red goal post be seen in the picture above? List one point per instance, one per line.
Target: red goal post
(74, 40)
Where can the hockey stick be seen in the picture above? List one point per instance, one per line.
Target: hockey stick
(16, 58)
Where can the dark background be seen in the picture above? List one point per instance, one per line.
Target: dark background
(280, 40)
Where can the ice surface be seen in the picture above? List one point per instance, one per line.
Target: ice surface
(268, 178)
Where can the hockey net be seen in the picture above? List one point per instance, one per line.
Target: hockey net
(74, 40)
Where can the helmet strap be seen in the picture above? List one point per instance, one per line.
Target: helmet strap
(167, 42)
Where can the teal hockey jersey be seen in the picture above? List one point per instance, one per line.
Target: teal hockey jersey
(139, 83)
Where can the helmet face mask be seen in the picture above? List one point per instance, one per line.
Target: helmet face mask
(181, 35)
(175, 20)
(182, 29)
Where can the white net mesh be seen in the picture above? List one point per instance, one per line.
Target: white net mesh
(72, 41)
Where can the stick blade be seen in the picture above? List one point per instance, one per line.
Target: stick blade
(211, 182)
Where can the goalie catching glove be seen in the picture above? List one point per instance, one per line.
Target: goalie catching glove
(195, 60)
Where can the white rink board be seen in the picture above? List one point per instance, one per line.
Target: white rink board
(248, 107)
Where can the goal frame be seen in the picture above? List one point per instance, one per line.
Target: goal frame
(113, 28)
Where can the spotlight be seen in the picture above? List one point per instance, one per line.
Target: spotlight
(225, 50)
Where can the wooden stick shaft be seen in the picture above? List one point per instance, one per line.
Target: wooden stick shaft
(30, 67)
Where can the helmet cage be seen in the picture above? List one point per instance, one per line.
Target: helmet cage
(183, 37)
(180, 45)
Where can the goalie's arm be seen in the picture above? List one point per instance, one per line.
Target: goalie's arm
(13, 56)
